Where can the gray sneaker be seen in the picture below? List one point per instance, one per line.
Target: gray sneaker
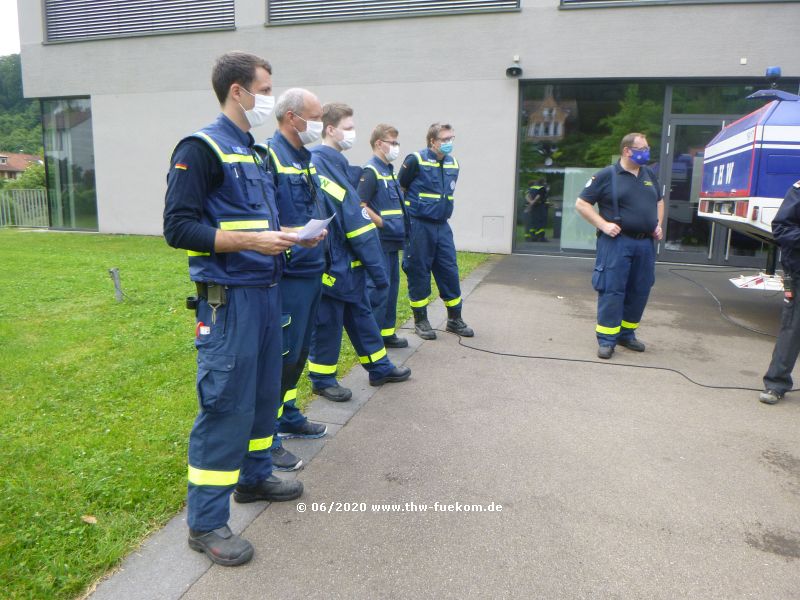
(770, 397)
(222, 546)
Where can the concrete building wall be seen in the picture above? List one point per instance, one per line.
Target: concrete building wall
(147, 92)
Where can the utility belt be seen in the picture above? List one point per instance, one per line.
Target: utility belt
(215, 294)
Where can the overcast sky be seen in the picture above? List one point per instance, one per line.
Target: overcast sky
(9, 34)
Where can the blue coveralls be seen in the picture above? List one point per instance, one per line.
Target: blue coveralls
(386, 200)
(624, 269)
(298, 198)
(430, 247)
(786, 231)
(354, 246)
(239, 355)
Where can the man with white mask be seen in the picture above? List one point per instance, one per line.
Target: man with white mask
(355, 250)
(220, 207)
(299, 115)
(381, 195)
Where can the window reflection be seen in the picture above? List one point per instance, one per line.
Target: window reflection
(69, 156)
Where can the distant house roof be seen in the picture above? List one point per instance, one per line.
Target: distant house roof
(11, 162)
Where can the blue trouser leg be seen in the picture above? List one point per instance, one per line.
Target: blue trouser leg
(445, 268)
(417, 261)
(787, 346)
(238, 388)
(299, 301)
(366, 338)
(640, 280)
(326, 342)
(389, 323)
(378, 298)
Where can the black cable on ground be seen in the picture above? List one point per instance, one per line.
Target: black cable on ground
(618, 364)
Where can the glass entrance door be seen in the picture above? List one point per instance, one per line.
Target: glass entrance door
(687, 237)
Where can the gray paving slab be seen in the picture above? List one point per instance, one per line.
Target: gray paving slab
(614, 481)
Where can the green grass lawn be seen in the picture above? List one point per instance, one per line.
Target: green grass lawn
(97, 400)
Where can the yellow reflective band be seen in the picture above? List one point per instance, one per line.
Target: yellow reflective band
(227, 158)
(355, 263)
(193, 253)
(260, 444)
(424, 163)
(281, 169)
(373, 357)
(378, 175)
(607, 330)
(321, 369)
(290, 395)
(289, 322)
(328, 280)
(450, 198)
(360, 231)
(452, 302)
(219, 478)
(280, 411)
(407, 203)
(628, 325)
(424, 195)
(332, 188)
(391, 212)
(387, 332)
(238, 225)
(418, 303)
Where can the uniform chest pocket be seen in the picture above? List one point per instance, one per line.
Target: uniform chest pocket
(255, 182)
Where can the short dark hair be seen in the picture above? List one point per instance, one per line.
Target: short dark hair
(333, 113)
(381, 131)
(435, 129)
(628, 140)
(235, 67)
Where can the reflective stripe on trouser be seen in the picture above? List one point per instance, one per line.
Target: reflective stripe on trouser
(430, 249)
(384, 302)
(326, 341)
(300, 299)
(238, 388)
(624, 272)
(787, 346)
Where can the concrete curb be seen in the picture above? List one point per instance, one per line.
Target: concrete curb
(163, 568)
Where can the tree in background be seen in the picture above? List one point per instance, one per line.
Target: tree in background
(20, 121)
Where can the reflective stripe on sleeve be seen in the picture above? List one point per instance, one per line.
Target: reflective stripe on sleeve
(385, 213)
(332, 188)
(360, 231)
(239, 225)
(193, 253)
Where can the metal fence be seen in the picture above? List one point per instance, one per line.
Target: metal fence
(24, 208)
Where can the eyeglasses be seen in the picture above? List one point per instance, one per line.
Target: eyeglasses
(447, 139)
(640, 149)
(395, 143)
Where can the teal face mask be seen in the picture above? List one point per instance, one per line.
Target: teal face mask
(446, 148)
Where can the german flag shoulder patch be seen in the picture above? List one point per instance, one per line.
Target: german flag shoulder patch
(182, 166)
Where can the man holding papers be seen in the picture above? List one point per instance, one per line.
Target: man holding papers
(354, 249)
(289, 163)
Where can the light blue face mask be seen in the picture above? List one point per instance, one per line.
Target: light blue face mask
(446, 148)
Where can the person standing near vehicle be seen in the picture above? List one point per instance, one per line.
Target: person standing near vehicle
(786, 231)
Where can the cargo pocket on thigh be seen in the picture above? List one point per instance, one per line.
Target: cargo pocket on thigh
(216, 387)
(599, 278)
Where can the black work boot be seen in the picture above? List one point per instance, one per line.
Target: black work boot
(421, 325)
(392, 341)
(222, 546)
(271, 489)
(455, 324)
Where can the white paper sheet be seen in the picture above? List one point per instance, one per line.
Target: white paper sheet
(313, 228)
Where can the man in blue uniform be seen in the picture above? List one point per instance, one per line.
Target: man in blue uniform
(354, 247)
(786, 231)
(429, 180)
(536, 211)
(220, 207)
(630, 217)
(299, 115)
(381, 195)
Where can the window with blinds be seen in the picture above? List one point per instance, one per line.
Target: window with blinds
(71, 20)
(302, 11)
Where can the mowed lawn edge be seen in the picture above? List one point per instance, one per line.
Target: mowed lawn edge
(98, 398)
